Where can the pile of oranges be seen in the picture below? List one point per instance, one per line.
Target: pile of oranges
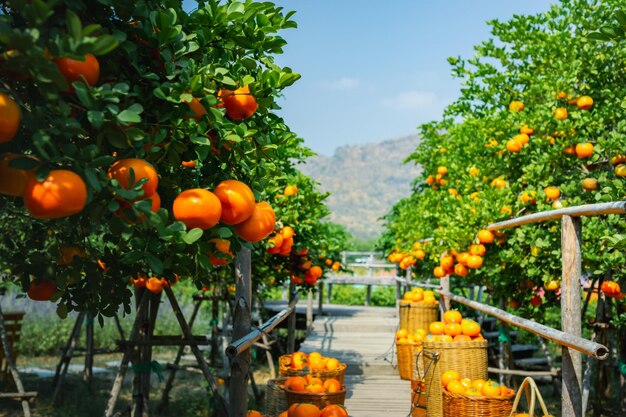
(281, 242)
(418, 295)
(314, 361)
(311, 410)
(312, 384)
(403, 336)
(452, 382)
(454, 328)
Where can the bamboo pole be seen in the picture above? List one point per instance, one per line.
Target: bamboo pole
(8, 354)
(571, 395)
(618, 207)
(88, 371)
(240, 364)
(587, 347)
(66, 357)
(291, 327)
(309, 310)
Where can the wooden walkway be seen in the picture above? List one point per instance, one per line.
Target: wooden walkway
(361, 337)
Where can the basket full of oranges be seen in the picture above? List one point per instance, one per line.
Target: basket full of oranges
(454, 344)
(480, 398)
(300, 364)
(418, 309)
(311, 410)
(313, 390)
(407, 346)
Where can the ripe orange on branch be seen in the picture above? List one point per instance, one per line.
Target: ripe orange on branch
(239, 104)
(41, 291)
(75, 70)
(237, 201)
(560, 113)
(584, 150)
(584, 102)
(61, 194)
(197, 207)
(516, 105)
(223, 246)
(10, 117)
(141, 169)
(259, 225)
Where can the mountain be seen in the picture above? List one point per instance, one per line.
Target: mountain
(365, 181)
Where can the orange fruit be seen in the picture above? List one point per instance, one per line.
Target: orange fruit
(223, 246)
(41, 291)
(259, 225)
(10, 117)
(298, 360)
(449, 376)
(139, 282)
(514, 304)
(239, 104)
(13, 180)
(452, 316)
(287, 232)
(197, 109)
(485, 236)
(334, 410)
(474, 261)
(466, 382)
(470, 328)
(315, 388)
(154, 285)
(513, 145)
(478, 384)
(439, 272)
(436, 328)
(304, 410)
(462, 338)
(584, 150)
(522, 138)
(129, 171)
(610, 288)
(67, 254)
(453, 329)
(560, 113)
(584, 102)
(516, 105)
(332, 385)
(284, 414)
(447, 262)
(620, 170)
(461, 270)
(462, 258)
(237, 201)
(478, 249)
(316, 271)
(527, 130)
(456, 387)
(290, 190)
(197, 207)
(402, 333)
(473, 392)
(332, 364)
(253, 413)
(73, 70)
(552, 192)
(315, 355)
(188, 164)
(589, 184)
(296, 383)
(61, 194)
(552, 285)
(490, 389)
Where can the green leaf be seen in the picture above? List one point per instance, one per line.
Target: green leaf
(204, 261)
(128, 116)
(155, 264)
(597, 36)
(104, 45)
(96, 118)
(620, 15)
(24, 163)
(92, 179)
(132, 257)
(83, 94)
(235, 7)
(74, 27)
(62, 311)
(224, 232)
(201, 140)
(192, 236)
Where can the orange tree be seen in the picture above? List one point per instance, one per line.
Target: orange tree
(119, 123)
(539, 124)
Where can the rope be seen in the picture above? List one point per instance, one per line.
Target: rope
(147, 367)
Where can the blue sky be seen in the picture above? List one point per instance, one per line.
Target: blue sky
(375, 70)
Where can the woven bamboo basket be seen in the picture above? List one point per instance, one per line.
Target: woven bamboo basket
(284, 369)
(418, 399)
(415, 316)
(469, 359)
(320, 400)
(406, 355)
(275, 397)
(533, 396)
(458, 405)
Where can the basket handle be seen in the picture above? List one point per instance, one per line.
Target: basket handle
(529, 387)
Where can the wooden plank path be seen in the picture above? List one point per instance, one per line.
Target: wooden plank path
(360, 337)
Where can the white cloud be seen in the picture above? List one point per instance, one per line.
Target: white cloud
(410, 100)
(342, 84)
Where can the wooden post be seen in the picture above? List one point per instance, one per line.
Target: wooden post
(329, 297)
(445, 286)
(66, 357)
(368, 295)
(88, 372)
(320, 298)
(309, 311)
(291, 324)
(571, 397)
(240, 365)
(215, 310)
(8, 354)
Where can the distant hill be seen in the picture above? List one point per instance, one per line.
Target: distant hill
(365, 181)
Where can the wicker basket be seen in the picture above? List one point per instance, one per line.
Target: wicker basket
(529, 387)
(469, 359)
(406, 354)
(320, 400)
(415, 316)
(284, 370)
(275, 397)
(418, 399)
(456, 405)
